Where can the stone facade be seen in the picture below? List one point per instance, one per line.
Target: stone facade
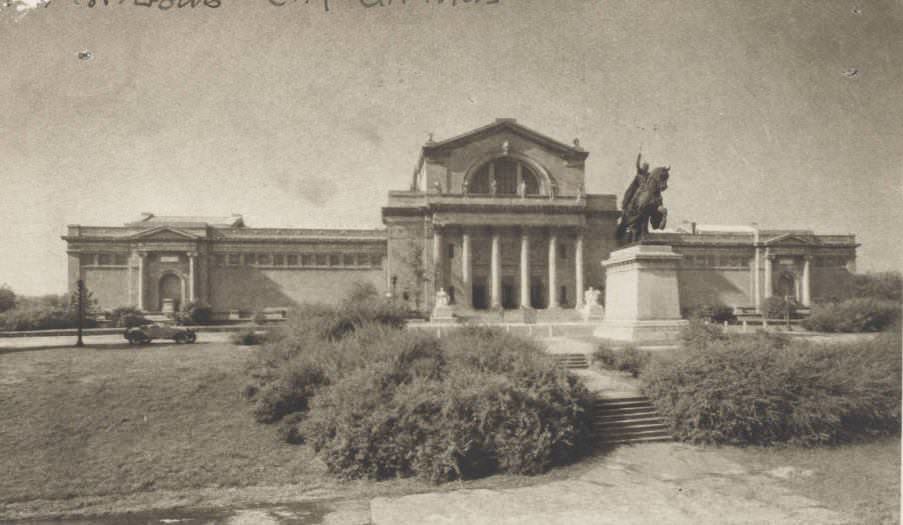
(497, 217)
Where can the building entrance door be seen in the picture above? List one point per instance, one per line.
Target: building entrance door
(537, 294)
(479, 296)
(170, 293)
(508, 296)
(786, 285)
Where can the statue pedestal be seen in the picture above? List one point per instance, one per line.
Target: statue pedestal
(642, 303)
(593, 312)
(442, 311)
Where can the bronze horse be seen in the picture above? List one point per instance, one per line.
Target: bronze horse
(643, 203)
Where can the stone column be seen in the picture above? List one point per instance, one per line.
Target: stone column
(191, 284)
(807, 272)
(578, 262)
(495, 271)
(553, 269)
(141, 256)
(757, 282)
(768, 265)
(437, 258)
(466, 269)
(525, 269)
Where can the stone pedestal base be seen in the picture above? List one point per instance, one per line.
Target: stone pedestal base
(641, 331)
(443, 314)
(641, 295)
(592, 312)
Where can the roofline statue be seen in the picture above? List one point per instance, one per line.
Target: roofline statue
(642, 203)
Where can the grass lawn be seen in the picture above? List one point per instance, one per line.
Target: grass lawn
(861, 480)
(82, 425)
(120, 419)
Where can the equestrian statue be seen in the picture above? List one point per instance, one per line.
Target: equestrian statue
(643, 203)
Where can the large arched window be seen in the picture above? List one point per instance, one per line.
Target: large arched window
(510, 176)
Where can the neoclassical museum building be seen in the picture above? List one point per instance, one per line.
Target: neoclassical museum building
(497, 217)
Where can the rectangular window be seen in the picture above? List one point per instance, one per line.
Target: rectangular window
(121, 259)
(264, 259)
(363, 259)
(88, 259)
(292, 259)
(220, 259)
(334, 259)
(169, 258)
(451, 251)
(322, 259)
(104, 259)
(376, 261)
(348, 259)
(307, 260)
(251, 259)
(278, 259)
(234, 259)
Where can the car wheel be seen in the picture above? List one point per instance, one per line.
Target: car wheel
(192, 337)
(179, 338)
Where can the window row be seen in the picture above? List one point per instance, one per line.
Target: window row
(104, 259)
(313, 260)
(720, 261)
(830, 261)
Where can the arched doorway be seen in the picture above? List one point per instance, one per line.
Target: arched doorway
(786, 285)
(170, 293)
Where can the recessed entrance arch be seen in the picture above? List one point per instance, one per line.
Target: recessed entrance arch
(786, 285)
(170, 292)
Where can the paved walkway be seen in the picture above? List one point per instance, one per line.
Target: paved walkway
(640, 484)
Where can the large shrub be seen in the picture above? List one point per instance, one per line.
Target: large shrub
(377, 401)
(628, 359)
(198, 312)
(853, 315)
(761, 390)
(717, 313)
(476, 402)
(887, 286)
(126, 317)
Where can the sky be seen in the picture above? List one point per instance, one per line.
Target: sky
(780, 112)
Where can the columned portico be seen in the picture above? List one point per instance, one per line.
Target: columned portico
(578, 275)
(806, 298)
(769, 264)
(437, 258)
(191, 279)
(466, 269)
(141, 257)
(553, 269)
(525, 269)
(495, 271)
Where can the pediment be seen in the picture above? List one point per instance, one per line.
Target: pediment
(793, 239)
(505, 127)
(164, 233)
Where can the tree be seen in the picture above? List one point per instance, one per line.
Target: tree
(7, 298)
(418, 274)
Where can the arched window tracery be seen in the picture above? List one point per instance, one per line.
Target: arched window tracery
(505, 176)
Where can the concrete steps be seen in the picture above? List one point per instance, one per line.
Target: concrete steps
(572, 361)
(627, 420)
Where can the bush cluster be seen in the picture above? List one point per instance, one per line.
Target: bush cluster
(197, 312)
(628, 359)
(887, 286)
(853, 315)
(38, 315)
(126, 317)
(776, 307)
(376, 401)
(718, 313)
(764, 390)
(249, 337)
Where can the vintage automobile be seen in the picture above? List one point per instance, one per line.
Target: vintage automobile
(145, 333)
